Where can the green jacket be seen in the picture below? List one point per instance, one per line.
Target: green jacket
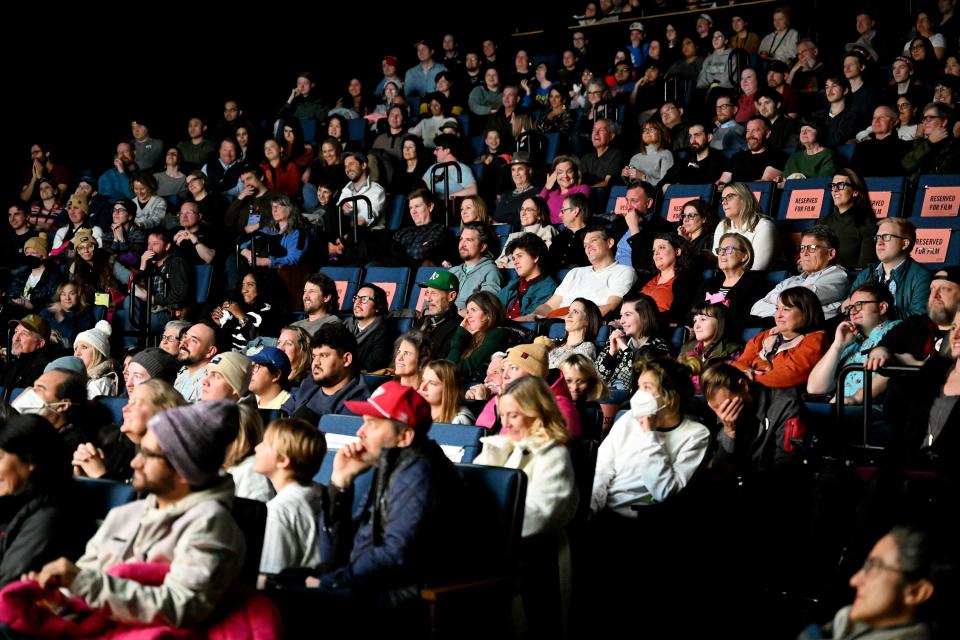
(537, 293)
(913, 286)
(474, 366)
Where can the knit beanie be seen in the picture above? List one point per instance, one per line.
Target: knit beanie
(532, 358)
(195, 438)
(39, 244)
(98, 337)
(158, 363)
(236, 369)
(68, 363)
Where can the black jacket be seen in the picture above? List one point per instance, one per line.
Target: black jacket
(403, 537)
(24, 370)
(36, 528)
(440, 330)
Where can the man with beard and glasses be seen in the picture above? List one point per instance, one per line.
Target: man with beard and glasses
(185, 522)
(197, 348)
(702, 165)
(333, 377)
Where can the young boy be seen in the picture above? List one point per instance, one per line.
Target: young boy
(290, 455)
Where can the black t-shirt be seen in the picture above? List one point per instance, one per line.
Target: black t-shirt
(188, 251)
(595, 169)
(747, 166)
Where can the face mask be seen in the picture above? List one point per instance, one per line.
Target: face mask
(33, 261)
(29, 402)
(643, 405)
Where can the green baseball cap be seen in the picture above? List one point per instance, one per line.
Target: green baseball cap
(442, 280)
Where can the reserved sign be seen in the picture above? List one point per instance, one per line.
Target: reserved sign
(932, 245)
(941, 202)
(805, 204)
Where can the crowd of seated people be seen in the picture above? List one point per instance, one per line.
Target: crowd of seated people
(181, 323)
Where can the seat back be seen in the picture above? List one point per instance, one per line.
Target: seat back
(114, 405)
(398, 206)
(415, 301)
(936, 212)
(251, 517)
(803, 203)
(204, 278)
(763, 192)
(457, 440)
(583, 455)
(497, 496)
(591, 421)
(347, 280)
(678, 195)
(617, 191)
(393, 280)
(887, 196)
(358, 129)
(100, 496)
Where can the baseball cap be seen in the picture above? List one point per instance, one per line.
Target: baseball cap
(442, 280)
(637, 26)
(271, 357)
(950, 274)
(34, 323)
(396, 402)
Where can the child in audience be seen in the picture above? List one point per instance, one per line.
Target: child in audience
(290, 455)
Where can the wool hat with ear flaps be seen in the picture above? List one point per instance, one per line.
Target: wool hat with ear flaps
(195, 438)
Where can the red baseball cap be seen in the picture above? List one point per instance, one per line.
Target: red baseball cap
(394, 401)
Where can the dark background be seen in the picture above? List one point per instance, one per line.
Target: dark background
(75, 78)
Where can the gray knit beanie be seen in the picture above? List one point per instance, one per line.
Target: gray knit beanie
(195, 438)
(158, 363)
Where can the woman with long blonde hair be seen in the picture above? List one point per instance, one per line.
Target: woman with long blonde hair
(742, 214)
(440, 386)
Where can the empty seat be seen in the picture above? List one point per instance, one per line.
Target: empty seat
(393, 280)
(204, 278)
(358, 129)
(936, 212)
(115, 406)
(803, 203)
(887, 196)
(398, 207)
(763, 192)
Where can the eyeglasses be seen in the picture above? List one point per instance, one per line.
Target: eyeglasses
(594, 93)
(810, 248)
(887, 237)
(528, 210)
(876, 563)
(727, 198)
(689, 216)
(724, 106)
(725, 251)
(903, 106)
(165, 339)
(858, 306)
(839, 186)
(363, 299)
(914, 47)
(565, 209)
(929, 118)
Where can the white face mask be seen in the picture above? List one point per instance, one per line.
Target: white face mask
(29, 402)
(643, 405)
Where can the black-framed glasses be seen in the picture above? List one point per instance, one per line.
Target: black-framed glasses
(725, 106)
(565, 209)
(689, 216)
(839, 186)
(810, 248)
(858, 306)
(887, 237)
(903, 106)
(876, 563)
(165, 339)
(727, 198)
(363, 299)
(931, 118)
(725, 251)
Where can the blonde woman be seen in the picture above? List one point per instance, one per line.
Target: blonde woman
(239, 459)
(440, 386)
(583, 380)
(532, 438)
(473, 209)
(742, 214)
(93, 348)
(295, 342)
(112, 459)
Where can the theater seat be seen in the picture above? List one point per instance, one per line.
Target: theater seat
(393, 280)
(347, 280)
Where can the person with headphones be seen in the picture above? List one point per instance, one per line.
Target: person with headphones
(374, 338)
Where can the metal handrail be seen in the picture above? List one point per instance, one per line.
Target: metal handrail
(355, 200)
(435, 179)
(888, 371)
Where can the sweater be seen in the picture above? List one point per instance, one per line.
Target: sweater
(552, 498)
(642, 467)
(474, 366)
